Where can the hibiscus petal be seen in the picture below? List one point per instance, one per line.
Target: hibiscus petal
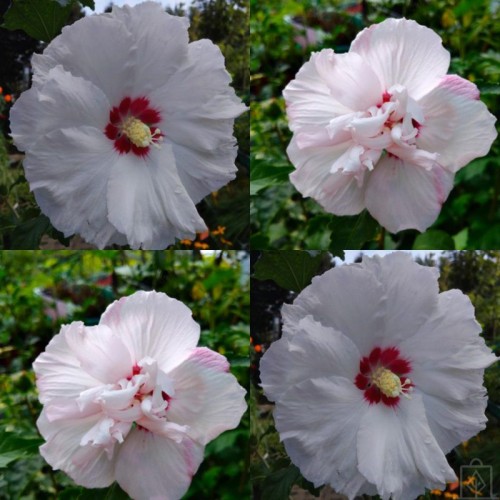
(148, 202)
(318, 421)
(456, 126)
(155, 325)
(87, 465)
(204, 123)
(353, 303)
(405, 196)
(101, 352)
(412, 293)
(350, 79)
(338, 193)
(166, 467)
(207, 399)
(309, 102)
(97, 48)
(58, 371)
(160, 43)
(62, 101)
(314, 351)
(395, 447)
(401, 52)
(67, 171)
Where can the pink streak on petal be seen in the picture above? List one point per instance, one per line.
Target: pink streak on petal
(460, 86)
(210, 359)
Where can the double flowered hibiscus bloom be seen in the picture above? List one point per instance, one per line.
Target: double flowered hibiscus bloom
(383, 127)
(133, 399)
(376, 377)
(126, 127)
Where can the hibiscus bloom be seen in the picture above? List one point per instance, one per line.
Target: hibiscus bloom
(133, 399)
(126, 127)
(376, 377)
(383, 127)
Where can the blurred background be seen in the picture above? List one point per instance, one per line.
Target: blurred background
(477, 274)
(40, 291)
(283, 35)
(225, 22)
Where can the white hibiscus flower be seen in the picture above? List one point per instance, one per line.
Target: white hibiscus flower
(133, 399)
(383, 127)
(126, 127)
(376, 377)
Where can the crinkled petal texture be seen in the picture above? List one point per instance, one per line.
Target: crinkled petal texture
(120, 173)
(383, 127)
(359, 314)
(133, 399)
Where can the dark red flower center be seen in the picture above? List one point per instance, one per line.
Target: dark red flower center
(383, 376)
(132, 126)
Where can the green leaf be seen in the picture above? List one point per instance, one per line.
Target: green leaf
(40, 20)
(15, 447)
(489, 89)
(434, 239)
(278, 484)
(290, 269)
(264, 174)
(461, 239)
(114, 492)
(351, 233)
(27, 235)
(473, 169)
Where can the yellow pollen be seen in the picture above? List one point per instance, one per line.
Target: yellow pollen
(139, 133)
(390, 384)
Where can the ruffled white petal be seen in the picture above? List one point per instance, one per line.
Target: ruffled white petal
(309, 102)
(67, 171)
(411, 292)
(97, 48)
(57, 369)
(160, 44)
(337, 192)
(398, 452)
(63, 101)
(318, 421)
(457, 127)
(152, 467)
(87, 465)
(101, 352)
(154, 325)
(313, 350)
(401, 52)
(402, 195)
(346, 298)
(349, 78)
(207, 398)
(148, 202)
(204, 123)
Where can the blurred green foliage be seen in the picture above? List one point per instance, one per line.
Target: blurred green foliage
(283, 35)
(476, 273)
(39, 291)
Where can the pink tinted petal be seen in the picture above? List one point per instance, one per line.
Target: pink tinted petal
(210, 359)
(86, 465)
(101, 353)
(405, 196)
(460, 86)
(350, 79)
(309, 101)
(456, 127)
(207, 399)
(155, 325)
(400, 51)
(58, 371)
(338, 193)
(166, 467)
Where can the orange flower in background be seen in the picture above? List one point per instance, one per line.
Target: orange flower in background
(1, 90)
(8, 98)
(203, 246)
